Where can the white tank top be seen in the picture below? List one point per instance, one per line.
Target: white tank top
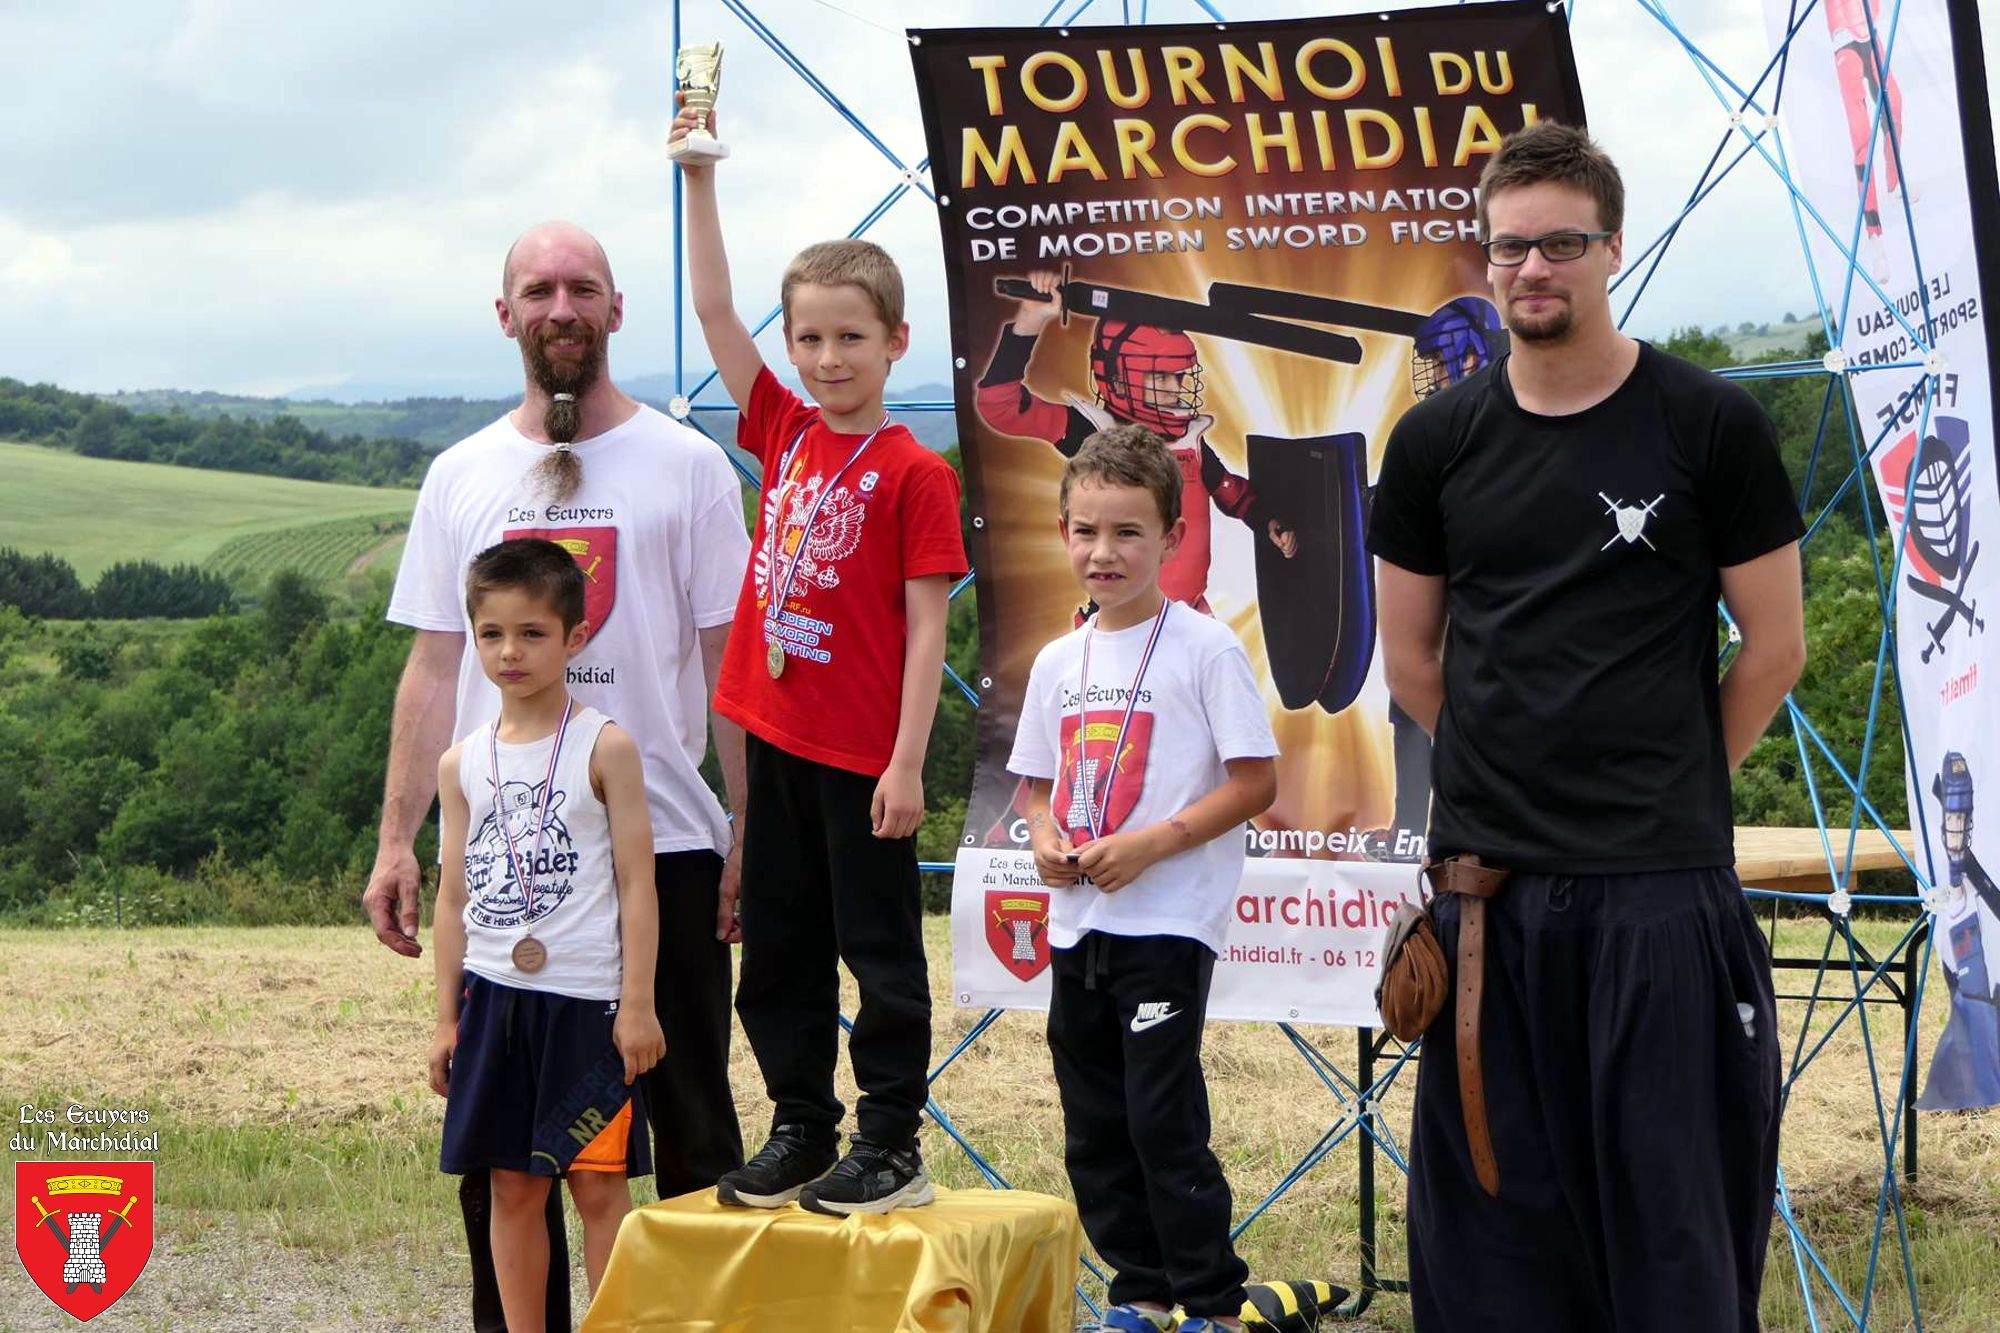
(572, 909)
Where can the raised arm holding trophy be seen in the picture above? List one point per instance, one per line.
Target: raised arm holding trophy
(698, 71)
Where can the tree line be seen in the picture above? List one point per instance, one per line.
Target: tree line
(47, 586)
(280, 447)
(230, 770)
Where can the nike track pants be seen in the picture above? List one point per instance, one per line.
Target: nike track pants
(1125, 1021)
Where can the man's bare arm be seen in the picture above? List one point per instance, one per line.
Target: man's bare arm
(1410, 619)
(729, 756)
(1766, 599)
(419, 731)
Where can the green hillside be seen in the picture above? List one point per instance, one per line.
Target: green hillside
(321, 551)
(94, 512)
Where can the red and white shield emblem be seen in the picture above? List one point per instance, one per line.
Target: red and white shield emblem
(84, 1230)
(596, 552)
(1017, 930)
(1090, 768)
(1892, 477)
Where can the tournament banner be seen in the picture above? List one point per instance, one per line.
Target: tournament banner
(1260, 240)
(1886, 116)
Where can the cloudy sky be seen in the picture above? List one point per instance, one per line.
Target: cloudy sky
(315, 194)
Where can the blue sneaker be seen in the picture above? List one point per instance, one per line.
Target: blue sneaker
(1132, 1319)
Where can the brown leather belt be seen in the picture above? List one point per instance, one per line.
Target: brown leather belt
(1474, 882)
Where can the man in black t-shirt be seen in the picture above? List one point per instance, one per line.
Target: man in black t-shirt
(1552, 536)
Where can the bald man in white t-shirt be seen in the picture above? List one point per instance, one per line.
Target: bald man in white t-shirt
(653, 513)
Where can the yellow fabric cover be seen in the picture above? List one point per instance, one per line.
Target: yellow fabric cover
(999, 1260)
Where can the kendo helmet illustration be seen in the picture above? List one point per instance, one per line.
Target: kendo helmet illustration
(1146, 374)
(1454, 341)
(1953, 789)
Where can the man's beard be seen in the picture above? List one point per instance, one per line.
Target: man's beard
(1552, 325)
(561, 418)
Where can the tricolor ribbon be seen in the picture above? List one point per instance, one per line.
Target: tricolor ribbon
(1095, 811)
(527, 882)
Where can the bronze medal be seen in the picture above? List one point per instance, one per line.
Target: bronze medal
(530, 954)
(774, 660)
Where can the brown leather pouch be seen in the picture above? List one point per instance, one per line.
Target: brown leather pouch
(1414, 980)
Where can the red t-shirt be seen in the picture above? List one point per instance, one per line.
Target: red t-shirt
(892, 515)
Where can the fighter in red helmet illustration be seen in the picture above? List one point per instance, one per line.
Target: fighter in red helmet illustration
(1305, 499)
(1143, 373)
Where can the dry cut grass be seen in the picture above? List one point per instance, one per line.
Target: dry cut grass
(297, 1164)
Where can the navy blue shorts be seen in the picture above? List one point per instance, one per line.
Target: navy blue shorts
(538, 1086)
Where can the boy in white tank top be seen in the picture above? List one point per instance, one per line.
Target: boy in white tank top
(546, 932)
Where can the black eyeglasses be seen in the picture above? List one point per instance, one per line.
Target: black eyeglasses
(1558, 247)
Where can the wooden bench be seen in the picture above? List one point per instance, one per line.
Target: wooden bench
(1793, 860)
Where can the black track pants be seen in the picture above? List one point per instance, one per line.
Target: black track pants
(1125, 1022)
(688, 1102)
(820, 888)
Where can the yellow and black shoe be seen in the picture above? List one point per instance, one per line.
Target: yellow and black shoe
(1289, 1307)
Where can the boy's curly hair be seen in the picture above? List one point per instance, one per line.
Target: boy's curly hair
(1127, 456)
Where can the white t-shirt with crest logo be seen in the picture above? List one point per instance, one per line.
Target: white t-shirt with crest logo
(657, 527)
(1199, 706)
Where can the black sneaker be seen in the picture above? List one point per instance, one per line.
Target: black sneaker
(788, 1161)
(872, 1178)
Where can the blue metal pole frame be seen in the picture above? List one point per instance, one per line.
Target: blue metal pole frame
(1360, 1099)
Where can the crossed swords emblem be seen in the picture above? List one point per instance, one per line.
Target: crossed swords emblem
(1631, 520)
(53, 1222)
(1954, 601)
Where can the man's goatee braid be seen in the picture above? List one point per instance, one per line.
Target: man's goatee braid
(560, 474)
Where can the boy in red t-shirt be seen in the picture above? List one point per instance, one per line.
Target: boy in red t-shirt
(832, 669)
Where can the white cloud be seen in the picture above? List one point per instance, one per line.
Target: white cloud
(233, 195)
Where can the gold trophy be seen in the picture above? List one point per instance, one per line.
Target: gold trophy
(699, 71)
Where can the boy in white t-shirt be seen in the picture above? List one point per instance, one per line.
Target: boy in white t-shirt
(546, 932)
(1146, 746)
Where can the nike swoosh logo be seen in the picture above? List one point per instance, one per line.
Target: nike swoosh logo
(1141, 1024)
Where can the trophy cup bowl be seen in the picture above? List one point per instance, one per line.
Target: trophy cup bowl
(698, 69)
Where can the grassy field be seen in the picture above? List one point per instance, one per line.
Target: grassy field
(94, 512)
(297, 1181)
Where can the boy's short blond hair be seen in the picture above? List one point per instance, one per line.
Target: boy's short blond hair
(851, 262)
(1127, 455)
